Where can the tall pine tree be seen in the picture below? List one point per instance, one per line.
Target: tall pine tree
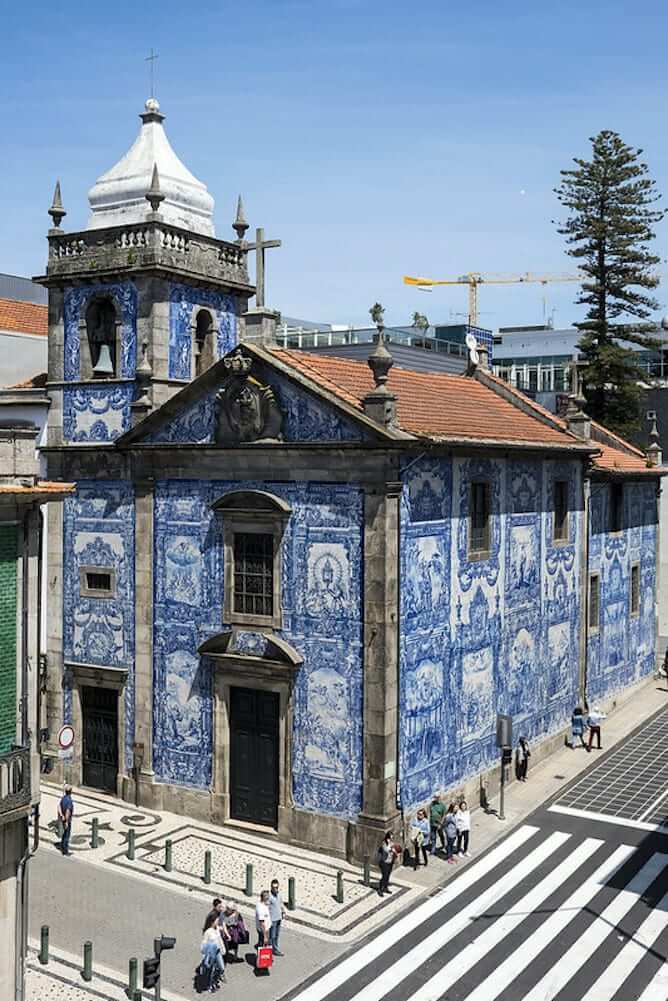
(609, 230)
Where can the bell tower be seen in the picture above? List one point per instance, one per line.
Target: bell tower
(144, 299)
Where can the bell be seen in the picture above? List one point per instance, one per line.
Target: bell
(104, 365)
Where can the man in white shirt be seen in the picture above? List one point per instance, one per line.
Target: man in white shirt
(263, 919)
(594, 720)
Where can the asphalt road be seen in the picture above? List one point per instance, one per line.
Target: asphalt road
(571, 906)
(122, 915)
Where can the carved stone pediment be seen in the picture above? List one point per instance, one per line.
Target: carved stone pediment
(246, 410)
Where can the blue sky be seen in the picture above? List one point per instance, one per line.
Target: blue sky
(375, 139)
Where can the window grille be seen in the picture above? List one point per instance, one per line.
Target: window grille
(254, 573)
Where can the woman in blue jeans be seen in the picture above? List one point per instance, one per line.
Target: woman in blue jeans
(213, 963)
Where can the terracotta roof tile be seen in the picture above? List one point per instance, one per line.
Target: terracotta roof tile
(433, 404)
(615, 460)
(41, 487)
(24, 317)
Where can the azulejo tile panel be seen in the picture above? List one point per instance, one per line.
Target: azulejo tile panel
(96, 413)
(184, 301)
(304, 418)
(124, 297)
(500, 634)
(621, 650)
(99, 532)
(322, 616)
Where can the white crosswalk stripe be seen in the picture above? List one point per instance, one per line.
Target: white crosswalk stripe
(633, 952)
(569, 964)
(524, 896)
(398, 971)
(386, 940)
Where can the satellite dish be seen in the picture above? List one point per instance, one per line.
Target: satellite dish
(474, 356)
(471, 342)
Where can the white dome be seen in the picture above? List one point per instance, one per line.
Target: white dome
(117, 198)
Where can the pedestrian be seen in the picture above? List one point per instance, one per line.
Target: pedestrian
(263, 919)
(577, 726)
(436, 815)
(522, 756)
(213, 964)
(276, 913)
(450, 828)
(594, 720)
(463, 823)
(214, 913)
(235, 932)
(420, 835)
(65, 814)
(387, 853)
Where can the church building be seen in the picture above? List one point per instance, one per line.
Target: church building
(294, 591)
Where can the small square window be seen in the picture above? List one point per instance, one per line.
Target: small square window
(635, 589)
(254, 573)
(97, 582)
(560, 528)
(479, 519)
(616, 507)
(594, 601)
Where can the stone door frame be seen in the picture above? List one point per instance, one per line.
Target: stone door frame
(93, 676)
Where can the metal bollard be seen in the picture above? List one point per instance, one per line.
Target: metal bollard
(44, 945)
(87, 972)
(94, 832)
(130, 853)
(132, 977)
(367, 871)
(292, 898)
(137, 995)
(339, 887)
(168, 855)
(207, 866)
(249, 880)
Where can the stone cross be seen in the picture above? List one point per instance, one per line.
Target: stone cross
(151, 59)
(259, 247)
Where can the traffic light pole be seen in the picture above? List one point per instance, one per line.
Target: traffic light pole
(157, 949)
(502, 790)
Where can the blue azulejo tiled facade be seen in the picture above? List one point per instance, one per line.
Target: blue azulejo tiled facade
(184, 301)
(479, 636)
(621, 643)
(322, 619)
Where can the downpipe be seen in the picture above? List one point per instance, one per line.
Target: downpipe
(21, 911)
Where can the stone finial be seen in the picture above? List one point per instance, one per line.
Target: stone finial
(577, 419)
(154, 195)
(381, 403)
(143, 405)
(57, 212)
(144, 369)
(653, 450)
(240, 224)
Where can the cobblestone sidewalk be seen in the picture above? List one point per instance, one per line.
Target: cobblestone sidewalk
(60, 980)
(317, 909)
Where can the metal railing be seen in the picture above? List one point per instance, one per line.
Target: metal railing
(14, 781)
(305, 338)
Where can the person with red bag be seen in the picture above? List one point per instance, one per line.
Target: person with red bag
(263, 926)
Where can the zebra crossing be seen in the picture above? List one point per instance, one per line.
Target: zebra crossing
(545, 915)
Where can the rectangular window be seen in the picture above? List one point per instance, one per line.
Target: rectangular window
(479, 519)
(254, 573)
(560, 533)
(635, 589)
(616, 507)
(97, 582)
(594, 601)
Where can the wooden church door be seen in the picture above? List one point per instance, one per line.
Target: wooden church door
(254, 717)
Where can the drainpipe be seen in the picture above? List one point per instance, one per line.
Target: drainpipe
(584, 660)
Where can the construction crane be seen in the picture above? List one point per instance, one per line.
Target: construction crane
(473, 279)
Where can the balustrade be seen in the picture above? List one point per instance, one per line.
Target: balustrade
(14, 780)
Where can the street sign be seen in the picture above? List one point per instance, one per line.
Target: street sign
(65, 753)
(66, 737)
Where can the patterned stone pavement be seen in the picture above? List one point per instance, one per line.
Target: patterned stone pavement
(60, 980)
(317, 908)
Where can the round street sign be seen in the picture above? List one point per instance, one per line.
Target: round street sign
(66, 736)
